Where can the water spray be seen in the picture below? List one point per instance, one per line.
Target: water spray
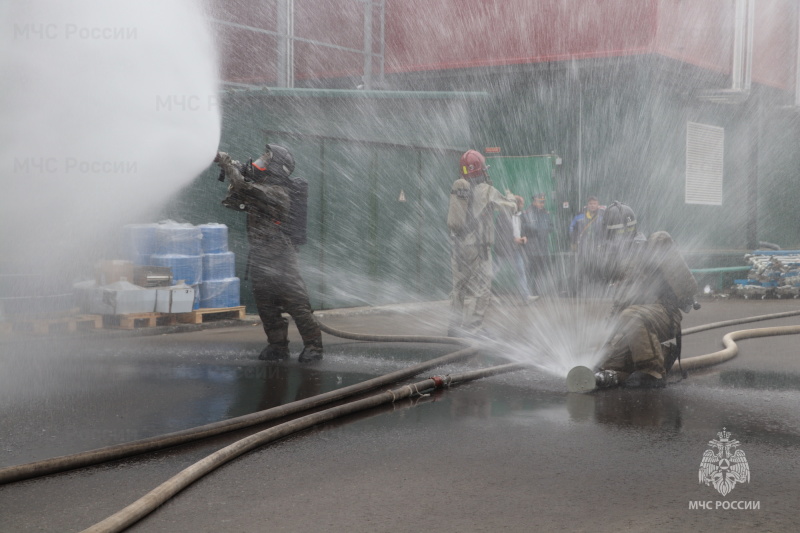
(118, 135)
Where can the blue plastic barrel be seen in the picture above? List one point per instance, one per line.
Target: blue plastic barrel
(188, 268)
(219, 293)
(215, 238)
(219, 266)
(139, 242)
(173, 238)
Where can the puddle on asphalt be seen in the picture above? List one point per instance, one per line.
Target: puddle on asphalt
(117, 396)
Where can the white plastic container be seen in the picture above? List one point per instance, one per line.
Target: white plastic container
(176, 299)
(83, 291)
(122, 298)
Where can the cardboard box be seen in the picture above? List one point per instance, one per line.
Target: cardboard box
(178, 299)
(108, 272)
(122, 298)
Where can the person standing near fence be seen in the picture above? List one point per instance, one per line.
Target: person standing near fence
(585, 235)
(538, 223)
(511, 250)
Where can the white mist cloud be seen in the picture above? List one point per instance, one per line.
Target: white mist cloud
(108, 107)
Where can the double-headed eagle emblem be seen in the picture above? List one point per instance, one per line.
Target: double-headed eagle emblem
(725, 467)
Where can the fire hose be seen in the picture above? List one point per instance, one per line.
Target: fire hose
(152, 500)
(120, 451)
(137, 510)
(731, 350)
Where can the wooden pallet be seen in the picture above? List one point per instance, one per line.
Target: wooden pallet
(199, 316)
(45, 326)
(138, 320)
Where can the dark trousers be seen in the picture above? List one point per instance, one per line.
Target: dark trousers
(636, 341)
(540, 278)
(278, 288)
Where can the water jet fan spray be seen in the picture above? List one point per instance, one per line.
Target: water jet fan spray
(109, 108)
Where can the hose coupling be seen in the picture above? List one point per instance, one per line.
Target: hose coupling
(440, 382)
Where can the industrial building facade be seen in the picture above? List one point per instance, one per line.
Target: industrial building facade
(686, 110)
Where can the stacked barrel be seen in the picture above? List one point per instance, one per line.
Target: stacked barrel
(197, 255)
(219, 286)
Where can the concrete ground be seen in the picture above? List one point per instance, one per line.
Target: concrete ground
(514, 452)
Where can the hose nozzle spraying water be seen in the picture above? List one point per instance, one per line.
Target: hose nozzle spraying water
(583, 379)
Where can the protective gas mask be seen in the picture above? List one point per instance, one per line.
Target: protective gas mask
(263, 160)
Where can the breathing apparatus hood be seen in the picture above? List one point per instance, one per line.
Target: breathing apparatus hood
(619, 222)
(676, 273)
(276, 161)
(472, 164)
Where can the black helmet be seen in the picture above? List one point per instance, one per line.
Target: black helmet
(619, 221)
(276, 161)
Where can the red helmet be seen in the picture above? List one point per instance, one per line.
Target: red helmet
(473, 164)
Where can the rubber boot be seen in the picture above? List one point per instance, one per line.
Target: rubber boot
(275, 352)
(278, 339)
(311, 352)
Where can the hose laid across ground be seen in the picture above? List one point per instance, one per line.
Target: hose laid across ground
(731, 349)
(158, 496)
(158, 442)
(737, 321)
(729, 341)
(145, 505)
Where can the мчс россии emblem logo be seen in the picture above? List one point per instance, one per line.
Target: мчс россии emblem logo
(725, 467)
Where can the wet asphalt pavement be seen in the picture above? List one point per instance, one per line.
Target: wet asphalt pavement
(514, 452)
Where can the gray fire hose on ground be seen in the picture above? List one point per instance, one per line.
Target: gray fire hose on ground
(142, 507)
(120, 451)
(158, 496)
(731, 350)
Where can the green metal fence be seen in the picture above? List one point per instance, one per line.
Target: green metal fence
(379, 167)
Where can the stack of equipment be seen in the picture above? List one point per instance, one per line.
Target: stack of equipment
(772, 274)
(179, 246)
(220, 286)
(139, 242)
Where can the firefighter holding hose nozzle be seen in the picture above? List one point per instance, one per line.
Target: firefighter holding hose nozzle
(276, 207)
(653, 287)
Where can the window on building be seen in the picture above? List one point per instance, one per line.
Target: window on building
(704, 157)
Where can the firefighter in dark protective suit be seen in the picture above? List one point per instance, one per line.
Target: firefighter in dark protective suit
(653, 286)
(262, 189)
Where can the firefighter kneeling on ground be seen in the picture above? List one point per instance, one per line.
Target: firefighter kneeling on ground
(264, 190)
(653, 286)
(470, 219)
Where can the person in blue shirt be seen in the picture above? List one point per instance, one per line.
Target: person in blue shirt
(584, 236)
(537, 225)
